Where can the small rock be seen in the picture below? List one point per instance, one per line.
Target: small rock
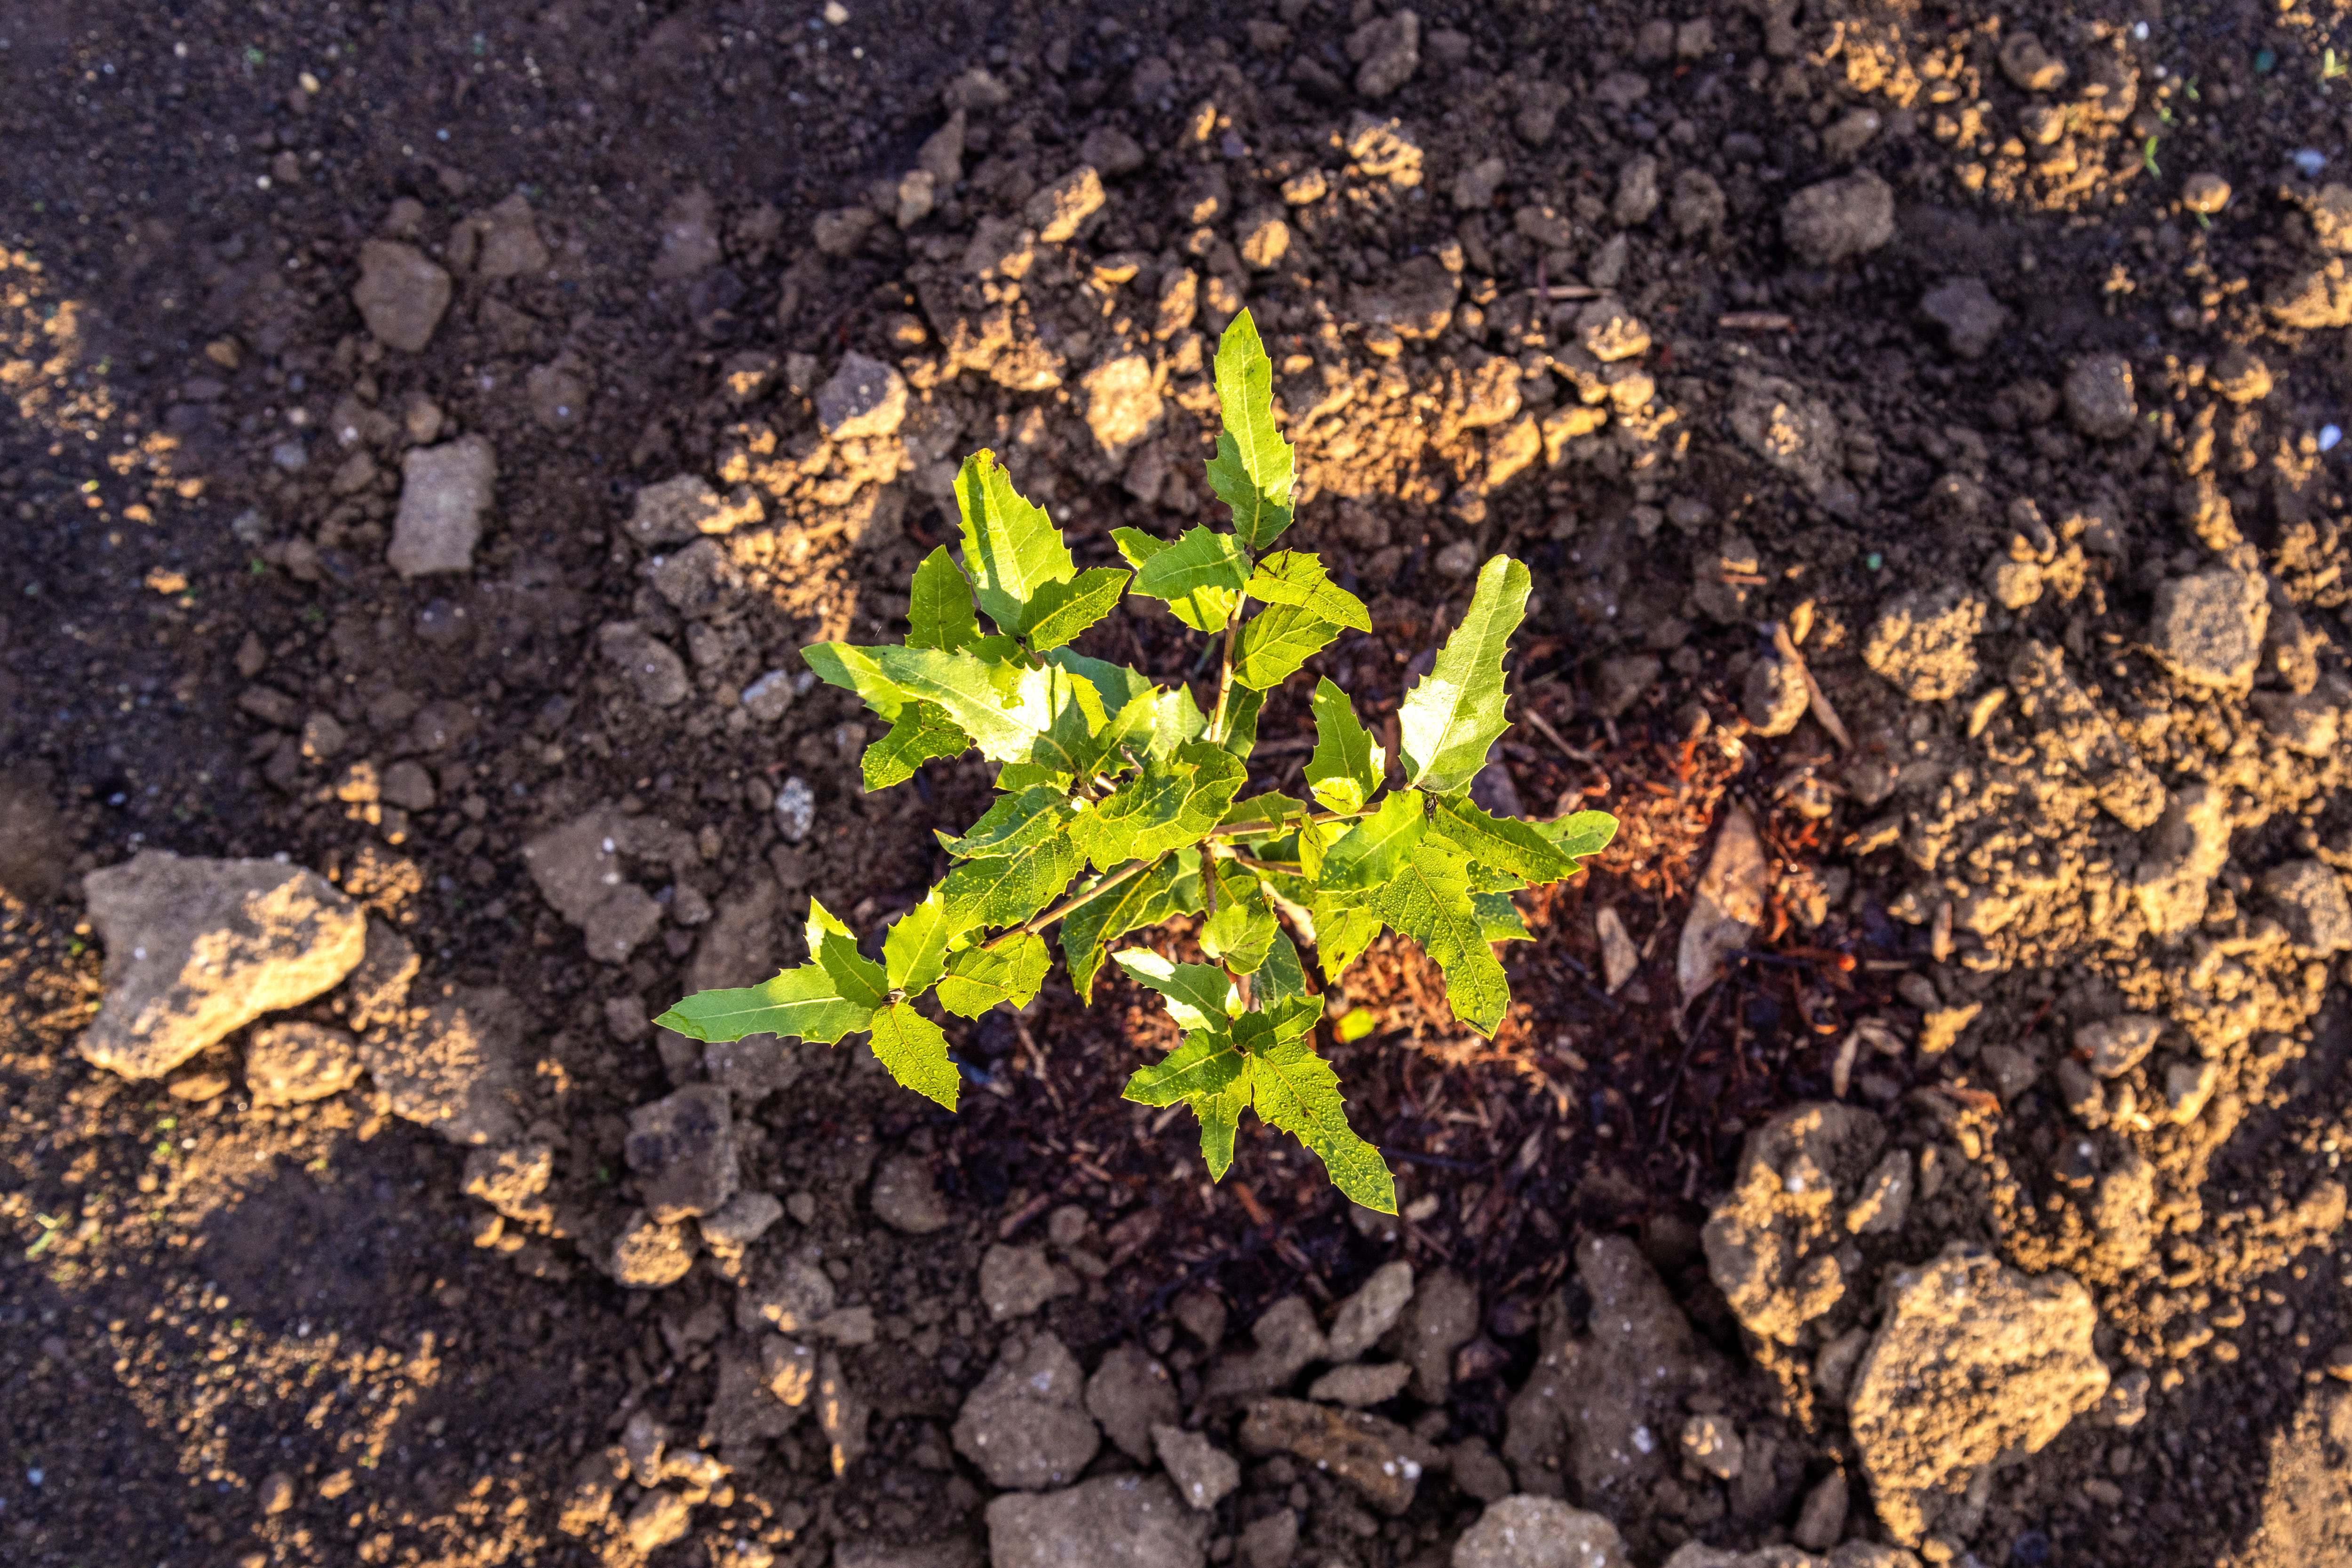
(275, 1494)
(408, 786)
(513, 1180)
(1619, 956)
(1969, 314)
(451, 1067)
(293, 1063)
(1057, 211)
(1369, 1313)
(1821, 1520)
(1360, 1386)
(865, 401)
(2186, 850)
(683, 1149)
(1636, 197)
(2205, 192)
(661, 1518)
(443, 492)
(1458, 560)
(1387, 52)
(1129, 1393)
(1122, 401)
(767, 698)
(2315, 297)
(796, 1299)
(788, 1370)
(842, 1414)
(1288, 1338)
(1972, 1362)
(1379, 1459)
(198, 948)
(2116, 1045)
(2030, 66)
(2240, 377)
(1203, 1473)
(649, 1256)
(683, 508)
(2188, 1085)
(1026, 1425)
(1203, 1314)
(2339, 1362)
(1839, 219)
(1713, 1444)
(1475, 187)
(906, 1196)
(795, 810)
(1793, 429)
(1621, 681)
(1477, 1472)
(1885, 1197)
(1610, 332)
(1130, 1521)
(2099, 396)
(1271, 1542)
(399, 294)
(651, 665)
(1112, 150)
(1924, 644)
(839, 233)
(695, 581)
(1263, 238)
(689, 236)
(2208, 629)
(2013, 584)
(1539, 1533)
(1773, 1244)
(1015, 1281)
(2308, 896)
(1775, 697)
(742, 1219)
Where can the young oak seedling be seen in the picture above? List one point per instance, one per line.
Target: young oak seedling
(1123, 785)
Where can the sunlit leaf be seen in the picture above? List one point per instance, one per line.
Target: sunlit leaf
(1275, 641)
(1011, 549)
(1504, 843)
(1454, 714)
(1298, 577)
(915, 949)
(1254, 468)
(1199, 575)
(1369, 853)
(1346, 768)
(1198, 995)
(915, 1051)
(1428, 899)
(806, 1003)
(938, 607)
(921, 731)
(1008, 969)
(1062, 610)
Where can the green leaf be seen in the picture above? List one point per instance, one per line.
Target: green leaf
(1077, 717)
(1116, 683)
(1243, 929)
(1282, 975)
(819, 921)
(1297, 1092)
(1253, 469)
(1220, 1116)
(1173, 801)
(915, 1049)
(854, 670)
(1008, 969)
(1353, 1026)
(859, 978)
(1342, 932)
(1275, 641)
(915, 949)
(1266, 813)
(1498, 917)
(1298, 577)
(1504, 843)
(1016, 777)
(1277, 1022)
(1243, 707)
(1200, 575)
(1369, 853)
(1180, 719)
(1063, 609)
(1013, 823)
(1206, 1063)
(1580, 834)
(1199, 996)
(1011, 548)
(1005, 890)
(1449, 720)
(1003, 708)
(805, 1003)
(1429, 900)
(921, 731)
(1346, 767)
(1127, 733)
(938, 608)
(1171, 888)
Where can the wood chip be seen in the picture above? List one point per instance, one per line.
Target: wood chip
(1823, 713)
(1756, 321)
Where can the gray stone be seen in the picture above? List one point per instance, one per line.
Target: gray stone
(648, 1257)
(1387, 52)
(1026, 1425)
(2030, 66)
(290, 1064)
(1973, 1363)
(1112, 1521)
(198, 948)
(1359, 1386)
(767, 698)
(1380, 1460)
(1287, 1338)
(683, 507)
(1821, 1520)
(2099, 397)
(695, 581)
(1713, 1444)
(1203, 1473)
(1271, 1542)
(1969, 314)
(842, 1414)
(689, 236)
(1016, 1280)
(864, 401)
(906, 1196)
(1885, 1197)
(651, 665)
(2308, 896)
(1539, 1533)
(451, 1066)
(1129, 1393)
(1371, 1312)
(1441, 1319)
(505, 240)
(1839, 219)
(1610, 332)
(795, 1298)
(742, 1219)
(578, 869)
(2305, 724)
(2187, 1086)
(2186, 850)
(682, 1148)
(443, 492)
(1477, 1472)
(2116, 1045)
(399, 294)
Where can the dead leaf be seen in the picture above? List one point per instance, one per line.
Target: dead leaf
(1619, 957)
(1728, 908)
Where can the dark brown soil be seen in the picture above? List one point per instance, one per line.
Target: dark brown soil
(201, 1294)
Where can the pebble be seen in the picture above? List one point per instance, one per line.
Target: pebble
(1370, 1311)
(1271, 1542)
(2100, 399)
(1884, 1198)
(1821, 1521)
(683, 507)
(651, 665)
(1378, 1459)
(682, 1148)
(1287, 1338)
(2116, 1045)
(1132, 1520)
(1058, 210)
(1610, 332)
(1387, 50)
(443, 493)
(2205, 192)
(1129, 1393)
(742, 1219)
(1204, 1474)
(1839, 219)
(399, 294)
(866, 399)
(1015, 1281)
(271, 936)
(906, 1196)
(648, 1256)
(1969, 314)
(661, 1518)
(689, 236)
(1360, 1386)
(2187, 1086)
(293, 1063)
(2029, 65)
(1539, 1533)
(1713, 1444)
(1122, 401)
(2309, 898)
(1775, 697)
(1025, 1423)
(795, 810)
(2208, 628)
(513, 1180)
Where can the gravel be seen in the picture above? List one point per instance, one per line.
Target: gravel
(399, 294)
(445, 492)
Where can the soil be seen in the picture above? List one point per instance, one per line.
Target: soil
(1874, 326)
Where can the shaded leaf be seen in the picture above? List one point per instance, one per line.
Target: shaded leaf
(915, 1051)
(1179, 720)
(1581, 833)
(1346, 768)
(1369, 853)
(938, 607)
(1454, 714)
(1342, 932)
(1428, 900)
(921, 731)
(1276, 1021)
(1275, 641)
(1008, 969)
(1116, 683)
(1282, 975)
(859, 978)
(1063, 609)
(854, 670)
(1173, 801)
(1298, 577)
(1253, 469)
(1243, 707)
(1172, 887)
(1498, 917)
(1012, 823)
(1199, 575)
(1011, 549)
(1242, 928)
(1069, 745)
(1504, 843)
